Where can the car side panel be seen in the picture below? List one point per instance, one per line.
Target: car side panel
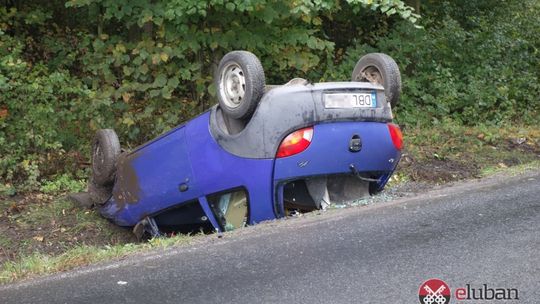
(148, 179)
(217, 170)
(184, 165)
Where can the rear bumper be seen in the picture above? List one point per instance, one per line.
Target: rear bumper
(329, 152)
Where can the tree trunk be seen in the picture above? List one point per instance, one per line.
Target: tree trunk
(414, 4)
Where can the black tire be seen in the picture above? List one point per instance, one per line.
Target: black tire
(105, 151)
(379, 68)
(240, 84)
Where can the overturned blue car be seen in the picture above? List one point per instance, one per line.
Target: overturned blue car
(261, 153)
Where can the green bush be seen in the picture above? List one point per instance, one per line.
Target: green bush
(61, 184)
(70, 68)
(45, 115)
(475, 63)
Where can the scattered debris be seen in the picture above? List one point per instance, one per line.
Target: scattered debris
(14, 208)
(518, 141)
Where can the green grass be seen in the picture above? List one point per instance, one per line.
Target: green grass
(449, 151)
(42, 264)
(5, 241)
(515, 170)
(40, 235)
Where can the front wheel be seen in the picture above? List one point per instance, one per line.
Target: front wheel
(380, 69)
(240, 83)
(105, 152)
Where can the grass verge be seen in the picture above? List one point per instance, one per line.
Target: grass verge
(41, 264)
(448, 151)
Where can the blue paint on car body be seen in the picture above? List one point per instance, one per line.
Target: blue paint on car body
(161, 166)
(193, 161)
(329, 152)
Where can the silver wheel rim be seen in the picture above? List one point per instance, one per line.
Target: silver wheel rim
(98, 158)
(232, 85)
(372, 75)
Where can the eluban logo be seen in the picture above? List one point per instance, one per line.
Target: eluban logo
(434, 291)
(486, 293)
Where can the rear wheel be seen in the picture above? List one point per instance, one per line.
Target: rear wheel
(105, 151)
(380, 69)
(240, 83)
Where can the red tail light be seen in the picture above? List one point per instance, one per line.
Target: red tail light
(396, 135)
(295, 142)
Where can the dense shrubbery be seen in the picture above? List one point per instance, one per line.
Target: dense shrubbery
(141, 67)
(67, 69)
(44, 112)
(474, 62)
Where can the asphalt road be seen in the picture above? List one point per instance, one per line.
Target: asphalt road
(476, 233)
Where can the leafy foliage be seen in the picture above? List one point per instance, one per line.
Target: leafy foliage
(141, 67)
(472, 62)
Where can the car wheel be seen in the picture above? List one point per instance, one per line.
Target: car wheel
(105, 151)
(381, 69)
(240, 84)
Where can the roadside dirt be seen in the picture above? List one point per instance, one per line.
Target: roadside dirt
(429, 167)
(35, 223)
(438, 171)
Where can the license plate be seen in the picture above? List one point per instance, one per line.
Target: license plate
(350, 100)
